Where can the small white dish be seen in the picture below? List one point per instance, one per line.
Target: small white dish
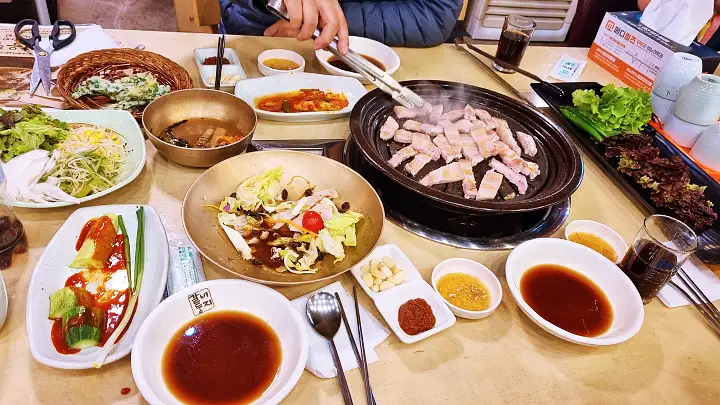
(628, 311)
(3, 301)
(699, 101)
(231, 75)
(283, 54)
(603, 231)
(683, 132)
(364, 46)
(662, 107)
(252, 89)
(52, 270)
(263, 302)
(121, 122)
(675, 74)
(388, 302)
(707, 148)
(475, 269)
(200, 54)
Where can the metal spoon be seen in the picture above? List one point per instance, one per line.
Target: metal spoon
(323, 312)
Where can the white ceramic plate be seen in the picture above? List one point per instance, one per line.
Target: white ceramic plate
(52, 270)
(119, 121)
(364, 46)
(628, 311)
(388, 302)
(250, 89)
(239, 295)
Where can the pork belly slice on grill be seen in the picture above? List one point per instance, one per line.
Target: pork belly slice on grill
(452, 116)
(418, 162)
(423, 144)
(516, 163)
(503, 131)
(489, 185)
(403, 112)
(517, 179)
(465, 126)
(470, 150)
(468, 183)
(487, 142)
(401, 156)
(483, 115)
(449, 173)
(527, 142)
(469, 113)
(417, 126)
(387, 131)
(403, 136)
(449, 152)
(436, 113)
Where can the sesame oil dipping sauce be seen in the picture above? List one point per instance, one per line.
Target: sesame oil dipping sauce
(567, 299)
(464, 291)
(595, 243)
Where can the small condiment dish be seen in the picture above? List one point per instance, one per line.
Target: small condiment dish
(216, 295)
(627, 307)
(364, 46)
(603, 231)
(282, 54)
(475, 269)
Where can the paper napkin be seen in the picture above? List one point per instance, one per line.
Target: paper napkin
(705, 279)
(320, 360)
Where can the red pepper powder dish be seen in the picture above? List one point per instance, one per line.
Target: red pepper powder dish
(416, 316)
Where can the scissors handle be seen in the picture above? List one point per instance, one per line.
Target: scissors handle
(32, 41)
(55, 34)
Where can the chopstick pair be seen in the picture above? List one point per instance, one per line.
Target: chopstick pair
(699, 300)
(359, 355)
(219, 61)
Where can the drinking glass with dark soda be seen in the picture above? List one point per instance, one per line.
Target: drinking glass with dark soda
(514, 39)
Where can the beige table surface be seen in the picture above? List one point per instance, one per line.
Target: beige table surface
(504, 359)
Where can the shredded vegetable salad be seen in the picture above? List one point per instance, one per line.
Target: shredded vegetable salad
(88, 161)
(287, 227)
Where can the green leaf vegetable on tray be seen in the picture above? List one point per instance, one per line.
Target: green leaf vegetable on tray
(617, 110)
(287, 227)
(29, 129)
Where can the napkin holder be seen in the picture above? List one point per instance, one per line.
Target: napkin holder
(635, 53)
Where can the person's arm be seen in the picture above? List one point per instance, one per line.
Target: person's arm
(642, 4)
(412, 23)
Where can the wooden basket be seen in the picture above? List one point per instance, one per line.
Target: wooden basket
(113, 64)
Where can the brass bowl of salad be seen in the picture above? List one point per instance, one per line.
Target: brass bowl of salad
(283, 217)
(199, 127)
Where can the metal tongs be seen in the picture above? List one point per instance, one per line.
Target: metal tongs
(372, 73)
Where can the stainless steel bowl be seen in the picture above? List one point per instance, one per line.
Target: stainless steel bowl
(198, 103)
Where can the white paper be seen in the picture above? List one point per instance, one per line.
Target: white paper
(678, 20)
(705, 279)
(568, 69)
(90, 39)
(320, 360)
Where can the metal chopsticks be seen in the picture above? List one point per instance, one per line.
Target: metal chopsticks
(372, 73)
(219, 61)
(700, 301)
(360, 357)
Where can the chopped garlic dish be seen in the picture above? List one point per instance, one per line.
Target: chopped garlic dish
(382, 275)
(129, 92)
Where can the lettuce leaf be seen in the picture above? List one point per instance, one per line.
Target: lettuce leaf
(29, 129)
(616, 110)
(261, 189)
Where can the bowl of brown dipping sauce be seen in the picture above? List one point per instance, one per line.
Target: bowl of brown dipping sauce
(469, 289)
(598, 237)
(199, 127)
(222, 342)
(280, 61)
(378, 54)
(573, 292)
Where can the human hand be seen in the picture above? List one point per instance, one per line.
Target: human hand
(306, 16)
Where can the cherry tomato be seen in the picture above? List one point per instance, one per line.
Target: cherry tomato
(312, 221)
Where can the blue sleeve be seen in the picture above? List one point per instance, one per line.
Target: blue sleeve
(412, 23)
(244, 17)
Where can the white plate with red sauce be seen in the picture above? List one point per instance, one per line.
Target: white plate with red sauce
(52, 270)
